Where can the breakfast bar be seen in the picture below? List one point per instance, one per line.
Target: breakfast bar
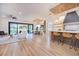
(63, 36)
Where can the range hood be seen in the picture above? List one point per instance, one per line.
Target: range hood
(71, 17)
(71, 21)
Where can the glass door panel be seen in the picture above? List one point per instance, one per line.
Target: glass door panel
(13, 29)
(23, 28)
(30, 28)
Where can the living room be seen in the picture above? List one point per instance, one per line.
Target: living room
(31, 29)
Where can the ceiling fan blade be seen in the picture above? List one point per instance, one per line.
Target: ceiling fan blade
(12, 17)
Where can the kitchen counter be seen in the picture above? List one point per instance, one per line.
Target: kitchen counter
(67, 31)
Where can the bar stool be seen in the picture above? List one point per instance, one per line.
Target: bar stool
(76, 41)
(67, 37)
(56, 36)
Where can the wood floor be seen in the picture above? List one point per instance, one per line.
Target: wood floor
(37, 45)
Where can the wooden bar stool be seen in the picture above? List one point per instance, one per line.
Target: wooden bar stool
(76, 41)
(67, 37)
(56, 36)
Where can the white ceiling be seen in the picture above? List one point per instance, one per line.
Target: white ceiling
(26, 10)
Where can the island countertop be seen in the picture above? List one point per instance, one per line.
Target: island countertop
(67, 31)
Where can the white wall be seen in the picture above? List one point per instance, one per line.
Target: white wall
(3, 25)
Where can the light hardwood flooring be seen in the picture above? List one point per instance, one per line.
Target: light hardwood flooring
(37, 45)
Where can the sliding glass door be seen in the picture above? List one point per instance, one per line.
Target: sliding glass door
(15, 28)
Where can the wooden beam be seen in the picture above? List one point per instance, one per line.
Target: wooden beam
(63, 7)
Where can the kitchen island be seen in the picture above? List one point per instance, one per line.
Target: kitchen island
(62, 36)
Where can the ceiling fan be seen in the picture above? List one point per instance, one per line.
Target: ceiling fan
(12, 17)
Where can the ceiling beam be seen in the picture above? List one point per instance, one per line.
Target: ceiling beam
(64, 7)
